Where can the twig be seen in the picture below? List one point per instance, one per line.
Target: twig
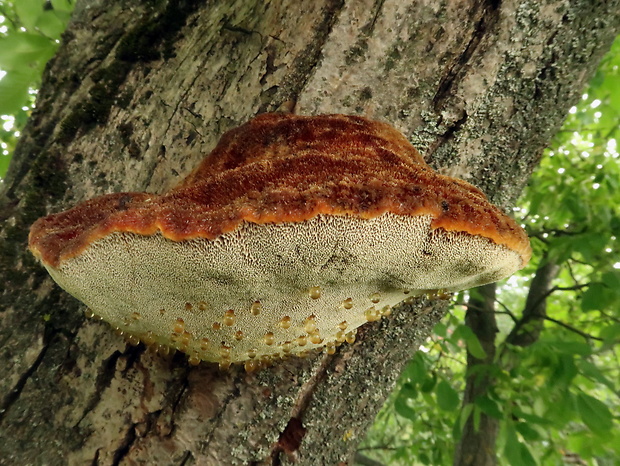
(585, 335)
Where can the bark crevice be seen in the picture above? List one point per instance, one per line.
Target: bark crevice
(13, 394)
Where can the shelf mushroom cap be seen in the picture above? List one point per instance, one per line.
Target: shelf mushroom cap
(289, 235)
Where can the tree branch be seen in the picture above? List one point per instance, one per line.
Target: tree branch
(528, 328)
(585, 335)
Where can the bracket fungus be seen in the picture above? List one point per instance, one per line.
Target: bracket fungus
(288, 236)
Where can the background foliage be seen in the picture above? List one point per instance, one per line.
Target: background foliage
(557, 399)
(29, 36)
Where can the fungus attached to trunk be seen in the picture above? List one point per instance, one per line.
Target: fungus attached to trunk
(291, 234)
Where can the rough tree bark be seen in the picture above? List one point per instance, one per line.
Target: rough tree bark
(476, 447)
(140, 90)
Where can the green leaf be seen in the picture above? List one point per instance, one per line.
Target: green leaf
(594, 413)
(564, 370)
(589, 245)
(561, 409)
(20, 50)
(13, 92)
(528, 432)
(63, 5)
(489, 407)
(50, 24)
(610, 333)
(465, 413)
(4, 164)
(29, 12)
(516, 452)
(447, 398)
(597, 297)
(408, 392)
(401, 407)
(612, 279)
(428, 384)
(471, 340)
(531, 418)
(592, 372)
(417, 368)
(441, 330)
(570, 347)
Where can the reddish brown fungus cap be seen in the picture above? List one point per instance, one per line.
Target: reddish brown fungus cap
(321, 188)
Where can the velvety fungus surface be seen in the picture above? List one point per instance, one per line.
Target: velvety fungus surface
(288, 236)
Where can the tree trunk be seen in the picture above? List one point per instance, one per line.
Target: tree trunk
(140, 91)
(476, 446)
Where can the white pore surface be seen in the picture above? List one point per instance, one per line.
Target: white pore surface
(145, 284)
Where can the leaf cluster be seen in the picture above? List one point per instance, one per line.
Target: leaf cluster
(30, 32)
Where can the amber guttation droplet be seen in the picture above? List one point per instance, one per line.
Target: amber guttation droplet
(372, 314)
(225, 351)
(331, 347)
(315, 292)
(179, 326)
(202, 305)
(252, 353)
(193, 360)
(118, 331)
(216, 326)
(163, 350)
(285, 322)
(188, 306)
(89, 313)
(350, 337)
(238, 335)
(135, 316)
(269, 338)
(303, 354)
(343, 325)
(386, 311)
(302, 340)
(315, 339)
(204, 344)
(132, 339)
(185, 338)
(255, 308)
(148, 338)
(229, 318)
(310, 324)
(347, 303)
(251, 366)
(224, 364)
(287, 347)
(375, 298)
(340, 337)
